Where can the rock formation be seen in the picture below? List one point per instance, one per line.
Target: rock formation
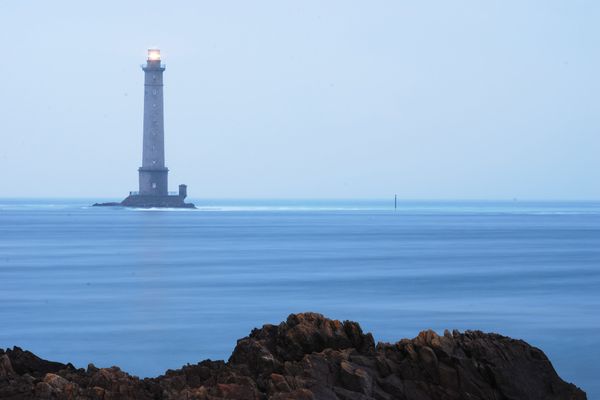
(312, 357)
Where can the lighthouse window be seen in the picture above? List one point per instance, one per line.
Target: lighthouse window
(153, 161)
(154, 92)
(153, 185)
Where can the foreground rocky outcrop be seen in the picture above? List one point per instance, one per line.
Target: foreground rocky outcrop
(312, 357)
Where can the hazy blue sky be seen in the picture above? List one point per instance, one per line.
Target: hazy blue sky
(427, 99)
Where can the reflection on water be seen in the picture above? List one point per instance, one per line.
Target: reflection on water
(154, 289)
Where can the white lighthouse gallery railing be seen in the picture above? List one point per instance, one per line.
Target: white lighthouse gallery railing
(136, 193)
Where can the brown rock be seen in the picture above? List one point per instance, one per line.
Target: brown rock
(279, 384)
(6, 368)
(42, 391)
(355, 378)
(311, 357)
(234, 391)
(26, 362)
(56, 381)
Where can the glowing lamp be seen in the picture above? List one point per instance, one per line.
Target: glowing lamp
(153, 55)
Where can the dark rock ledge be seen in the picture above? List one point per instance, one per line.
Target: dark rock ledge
(312, 357)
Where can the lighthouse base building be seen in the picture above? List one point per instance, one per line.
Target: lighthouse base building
(170, 200)
(153, 174)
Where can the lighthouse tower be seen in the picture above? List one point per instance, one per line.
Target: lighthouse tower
(153, 173)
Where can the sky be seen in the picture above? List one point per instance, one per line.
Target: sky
(305, 99)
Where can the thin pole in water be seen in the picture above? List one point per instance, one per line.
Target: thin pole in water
(395, 201)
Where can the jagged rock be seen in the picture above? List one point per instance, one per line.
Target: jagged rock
(6, 368)
(355, 378)
(266, 349)
(310, 357)
(27, 362)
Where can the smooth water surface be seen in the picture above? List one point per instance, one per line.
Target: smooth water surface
(154, 289)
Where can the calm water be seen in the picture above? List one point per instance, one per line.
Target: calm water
(154, 289)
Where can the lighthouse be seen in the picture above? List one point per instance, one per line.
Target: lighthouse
(153, 174)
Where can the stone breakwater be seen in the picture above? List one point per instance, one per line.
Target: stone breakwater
(311, 357)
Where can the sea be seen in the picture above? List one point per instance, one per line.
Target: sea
(154, 289)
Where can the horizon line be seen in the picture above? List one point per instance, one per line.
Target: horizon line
(389, 198)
